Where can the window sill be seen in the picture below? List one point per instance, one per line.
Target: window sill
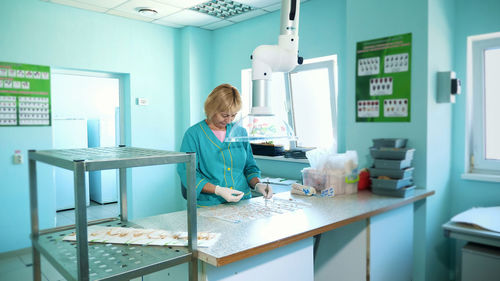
(281, 159)
(481, 177)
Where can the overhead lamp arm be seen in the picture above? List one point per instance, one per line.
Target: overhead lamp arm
(283, 57)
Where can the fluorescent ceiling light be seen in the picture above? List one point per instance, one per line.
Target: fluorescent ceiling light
(222, 9)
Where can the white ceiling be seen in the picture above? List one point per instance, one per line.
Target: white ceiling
(173, 13)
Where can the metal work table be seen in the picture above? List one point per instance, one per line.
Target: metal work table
(83, 261)
(242, 240)
(474, 261)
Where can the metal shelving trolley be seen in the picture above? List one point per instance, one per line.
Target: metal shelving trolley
(96, 261)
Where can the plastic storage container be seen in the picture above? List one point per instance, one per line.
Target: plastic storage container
(390, 184)
(390, 142)
(391, 164)
(320, 181)
(392, 153)
(392, 173)
(402, 192)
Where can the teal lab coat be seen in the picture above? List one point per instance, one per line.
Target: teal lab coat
(224, 164)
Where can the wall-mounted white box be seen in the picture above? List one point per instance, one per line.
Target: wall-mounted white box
(448, 87)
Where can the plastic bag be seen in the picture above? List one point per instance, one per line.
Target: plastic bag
(327, 160)
(317, 157)
(330, 169)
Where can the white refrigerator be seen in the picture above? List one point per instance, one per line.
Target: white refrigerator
(103, 184)
(68, 133)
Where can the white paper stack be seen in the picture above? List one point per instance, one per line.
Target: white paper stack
(487, 218)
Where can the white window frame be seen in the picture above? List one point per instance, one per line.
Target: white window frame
(476, 166)
(329, 62)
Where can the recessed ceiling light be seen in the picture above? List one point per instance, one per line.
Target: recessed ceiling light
(222, 9)
(148, 12)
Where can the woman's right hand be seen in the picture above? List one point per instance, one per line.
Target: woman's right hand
(230, 195)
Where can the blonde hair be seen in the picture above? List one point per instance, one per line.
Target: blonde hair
(224, 98)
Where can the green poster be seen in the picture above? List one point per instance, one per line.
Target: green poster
(383, 79)
(24, 95)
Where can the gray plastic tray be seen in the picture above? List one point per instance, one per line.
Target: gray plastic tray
(391, 184)
(402, 192)
(392, 173)
(390, 142)
(391, 164)
(392, 153)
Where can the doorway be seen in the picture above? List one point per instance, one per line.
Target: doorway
(85, 113)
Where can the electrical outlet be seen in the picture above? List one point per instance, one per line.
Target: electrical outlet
(18, 157)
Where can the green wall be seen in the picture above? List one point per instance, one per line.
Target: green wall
(176, 69)
(441, 19)
(374, 19)
(65, 37)
(472, 18)
(334, 27)
(196, 74)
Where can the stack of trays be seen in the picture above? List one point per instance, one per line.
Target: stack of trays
(392, 174)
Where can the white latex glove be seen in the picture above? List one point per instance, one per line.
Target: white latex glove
(265, 189)
(231, 195)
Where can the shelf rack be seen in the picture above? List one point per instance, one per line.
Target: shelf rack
(83, 261)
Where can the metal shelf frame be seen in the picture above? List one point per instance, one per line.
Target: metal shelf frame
(102, 158)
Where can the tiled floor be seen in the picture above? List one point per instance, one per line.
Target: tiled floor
(17, 266)
(94, 211)
(20, 268)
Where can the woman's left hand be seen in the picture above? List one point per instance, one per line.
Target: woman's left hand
(265, 189)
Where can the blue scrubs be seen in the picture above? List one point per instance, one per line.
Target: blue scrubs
(224, 164)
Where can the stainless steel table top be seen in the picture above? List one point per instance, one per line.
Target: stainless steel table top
(251, 237)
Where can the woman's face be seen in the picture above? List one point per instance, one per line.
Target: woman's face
(221, 119)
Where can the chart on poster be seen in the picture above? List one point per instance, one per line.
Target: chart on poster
(24, 94)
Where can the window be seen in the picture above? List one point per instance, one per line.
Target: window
(306, 98)
(484, 87)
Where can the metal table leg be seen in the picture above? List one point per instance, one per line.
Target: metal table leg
(82, 253)
(37, 269)
(123, 194)
(191, 217)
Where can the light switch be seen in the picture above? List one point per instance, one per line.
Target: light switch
(142, 101)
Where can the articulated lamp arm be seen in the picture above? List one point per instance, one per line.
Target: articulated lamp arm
(261, 124)
(283, 57)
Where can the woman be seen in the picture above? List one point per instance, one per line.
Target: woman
(225, 171)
